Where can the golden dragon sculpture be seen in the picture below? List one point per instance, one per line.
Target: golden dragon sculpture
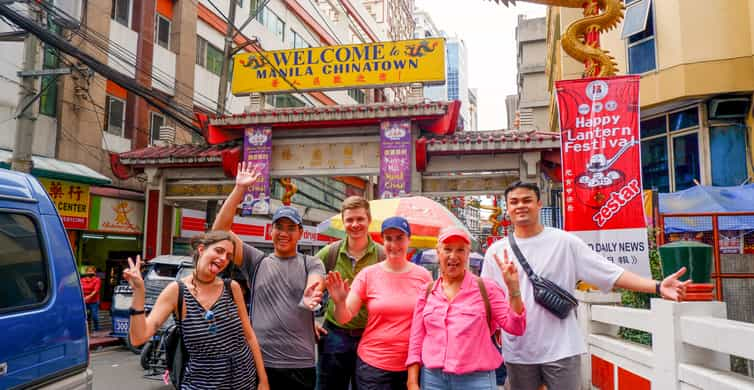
(290, 190)
(581, 39)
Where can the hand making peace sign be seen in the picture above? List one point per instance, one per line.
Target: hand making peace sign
(132, 274)
(509, 271)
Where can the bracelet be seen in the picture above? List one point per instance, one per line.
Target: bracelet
(515, 294)
(134, 312)
(657, 289)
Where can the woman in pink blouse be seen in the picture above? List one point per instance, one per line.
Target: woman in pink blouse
(451, 340)
(389, 289)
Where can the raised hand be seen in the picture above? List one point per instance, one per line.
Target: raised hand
(509, 271)
(132, 274)
(673, 289)
(247, 174)
(312, 296)
(337, 287)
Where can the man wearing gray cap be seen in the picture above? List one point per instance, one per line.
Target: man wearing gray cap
(283, 289)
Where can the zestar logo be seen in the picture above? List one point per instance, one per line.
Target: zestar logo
(616, 201)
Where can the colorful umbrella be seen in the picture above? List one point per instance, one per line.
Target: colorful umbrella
(425, 216)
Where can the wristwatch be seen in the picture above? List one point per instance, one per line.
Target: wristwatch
(515, 294)
(133, 312)
(657, 289)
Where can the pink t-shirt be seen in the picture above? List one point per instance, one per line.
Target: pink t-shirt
(390, 299)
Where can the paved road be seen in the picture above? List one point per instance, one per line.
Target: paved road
(117, 368)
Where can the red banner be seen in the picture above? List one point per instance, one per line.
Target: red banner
(601, 155)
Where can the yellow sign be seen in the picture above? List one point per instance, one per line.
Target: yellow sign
(340, 67)
(71, 200)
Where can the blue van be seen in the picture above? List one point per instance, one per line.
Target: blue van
(43, 333)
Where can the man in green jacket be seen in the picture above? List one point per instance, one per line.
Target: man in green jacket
(338, 342)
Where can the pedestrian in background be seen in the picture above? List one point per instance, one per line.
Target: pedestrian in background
(451, 342)
(339, 341)
(390, 290)
(285, 289)
(550, 351)
(90, 285)
(223, 352)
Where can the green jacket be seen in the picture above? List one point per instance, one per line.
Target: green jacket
(348, 272)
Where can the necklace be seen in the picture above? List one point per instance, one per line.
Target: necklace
(195, 279)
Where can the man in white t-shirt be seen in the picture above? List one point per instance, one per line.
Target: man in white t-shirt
(549, 352)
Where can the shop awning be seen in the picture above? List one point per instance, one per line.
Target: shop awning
(57, 169)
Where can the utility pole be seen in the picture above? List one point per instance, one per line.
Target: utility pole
(229, 33)
(26, 115)
(211, 209)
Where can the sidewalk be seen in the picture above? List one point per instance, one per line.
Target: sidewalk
(101, 338)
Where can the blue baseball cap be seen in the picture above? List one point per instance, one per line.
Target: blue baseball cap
(287, 212)
(399, 223)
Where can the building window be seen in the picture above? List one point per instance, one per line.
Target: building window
(284, 101)
(670, 151)
(121, 12)
(254, 10)
(357, 95)
(727, 146)
(298, 41)
(162, 31)
(208, 56)
(638, 30)
(272, 22)
(25, 282)
(155, 122)
(48, 100)
(116, 116)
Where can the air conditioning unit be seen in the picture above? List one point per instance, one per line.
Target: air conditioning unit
(729, 108)
(167, 135)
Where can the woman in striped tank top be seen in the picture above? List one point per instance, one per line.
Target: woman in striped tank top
(222, 347)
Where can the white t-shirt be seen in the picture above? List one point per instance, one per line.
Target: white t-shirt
(564, 259)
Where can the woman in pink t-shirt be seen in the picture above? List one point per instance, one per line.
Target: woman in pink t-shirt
(390, 290)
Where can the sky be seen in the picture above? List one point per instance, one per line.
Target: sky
(489, 32)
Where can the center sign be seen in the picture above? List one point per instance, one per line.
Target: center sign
(340, 67)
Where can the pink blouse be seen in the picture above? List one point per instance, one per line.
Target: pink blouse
(454, 335)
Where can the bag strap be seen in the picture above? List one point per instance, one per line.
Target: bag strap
(521, 259)
(179, 305)
(486, 299)
(430, 287)
(381, 255)
(253, 281)
(333, 250)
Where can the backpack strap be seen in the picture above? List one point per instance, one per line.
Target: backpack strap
(381, 255)
(333, 250)
(486, 299)
(253, 284)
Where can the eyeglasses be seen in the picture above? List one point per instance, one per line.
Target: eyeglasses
(209, 315)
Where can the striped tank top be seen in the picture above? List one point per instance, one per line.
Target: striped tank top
(219, 355)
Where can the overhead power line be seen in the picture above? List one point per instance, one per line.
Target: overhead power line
(126, 82)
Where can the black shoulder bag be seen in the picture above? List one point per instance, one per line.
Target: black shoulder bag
(546, 293)
(176, 354)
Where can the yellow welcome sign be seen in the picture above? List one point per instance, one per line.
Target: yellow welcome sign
(340, 67)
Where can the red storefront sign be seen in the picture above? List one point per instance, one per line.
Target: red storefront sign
(601, 155)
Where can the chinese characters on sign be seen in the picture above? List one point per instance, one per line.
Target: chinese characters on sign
(395, 158)
(257, 150)
(337, 67)
(600, 151)
(71, 200)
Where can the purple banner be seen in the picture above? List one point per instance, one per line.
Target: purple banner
(395, 155)
(257, 149)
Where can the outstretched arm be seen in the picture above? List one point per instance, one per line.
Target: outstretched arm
(670, 288)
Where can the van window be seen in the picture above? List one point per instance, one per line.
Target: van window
(23, 270)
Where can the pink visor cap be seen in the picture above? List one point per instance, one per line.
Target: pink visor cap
(450, 232)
